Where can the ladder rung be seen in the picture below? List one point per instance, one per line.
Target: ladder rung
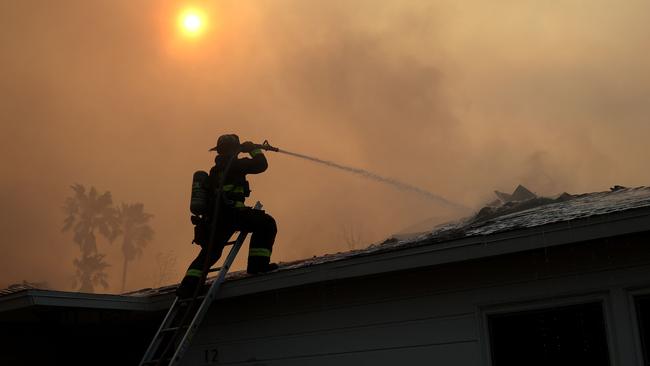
(191, 299)
(153, 362)
(173, 328)
(214, 269)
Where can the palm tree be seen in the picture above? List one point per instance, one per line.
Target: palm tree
(90, 272)
(88, 212)
(135, 231)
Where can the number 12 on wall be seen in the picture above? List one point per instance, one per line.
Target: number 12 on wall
(211, 356)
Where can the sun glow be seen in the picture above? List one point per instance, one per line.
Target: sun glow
(191, 22)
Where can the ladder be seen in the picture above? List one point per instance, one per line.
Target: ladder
(179, 326)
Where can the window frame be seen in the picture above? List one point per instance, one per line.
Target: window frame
(486, 310)
(632, 295)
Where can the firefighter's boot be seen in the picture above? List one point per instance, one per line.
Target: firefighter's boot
(258, 265)
(187, 287)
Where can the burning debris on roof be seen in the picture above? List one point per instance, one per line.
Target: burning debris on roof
(520, 199)
(524, 209)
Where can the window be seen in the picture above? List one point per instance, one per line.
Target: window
(567, 335)
(643, 316)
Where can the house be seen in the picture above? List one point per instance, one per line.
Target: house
(539, 281)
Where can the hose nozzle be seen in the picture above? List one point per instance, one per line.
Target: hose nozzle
(266, 146)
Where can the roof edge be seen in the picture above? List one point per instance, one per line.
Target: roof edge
(34, 297)
(378, 262)
(562, 233)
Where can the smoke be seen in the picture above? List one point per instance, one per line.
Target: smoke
(392, 182)
(456, 98)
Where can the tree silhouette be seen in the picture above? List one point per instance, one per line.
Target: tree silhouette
(86, 213)
(165, 263)
(135, 231)
(90, 272)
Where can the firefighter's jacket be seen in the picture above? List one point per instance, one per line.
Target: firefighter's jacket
(235, 186)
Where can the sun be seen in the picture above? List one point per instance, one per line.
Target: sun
(191, 22)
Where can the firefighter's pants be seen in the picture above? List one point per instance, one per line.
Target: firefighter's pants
(257, 222)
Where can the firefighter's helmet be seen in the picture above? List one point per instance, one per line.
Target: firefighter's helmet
(227, 144)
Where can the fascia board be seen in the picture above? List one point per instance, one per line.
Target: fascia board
(72, 300)
(15, 301)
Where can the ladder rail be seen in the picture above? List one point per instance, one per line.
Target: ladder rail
(156, 339)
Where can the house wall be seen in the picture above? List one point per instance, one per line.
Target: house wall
(48, 335)
(427, 316)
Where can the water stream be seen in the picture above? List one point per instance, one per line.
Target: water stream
(378, 178)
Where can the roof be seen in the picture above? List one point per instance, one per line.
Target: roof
(505, 227)
(510, 216)
(18, 287)
(538, 211)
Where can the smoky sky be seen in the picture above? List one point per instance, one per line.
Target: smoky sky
(459, 99)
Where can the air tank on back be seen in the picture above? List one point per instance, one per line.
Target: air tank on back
(200, 199)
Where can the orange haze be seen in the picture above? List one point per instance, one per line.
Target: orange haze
(459, 98)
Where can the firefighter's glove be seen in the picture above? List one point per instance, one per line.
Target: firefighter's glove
(248, 146)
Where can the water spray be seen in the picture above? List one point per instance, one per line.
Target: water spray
(369, 175)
